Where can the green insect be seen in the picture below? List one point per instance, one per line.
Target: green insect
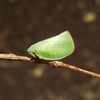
(53, 48)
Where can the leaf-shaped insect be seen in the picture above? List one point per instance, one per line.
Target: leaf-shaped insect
(53, 48)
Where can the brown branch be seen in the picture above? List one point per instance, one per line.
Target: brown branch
(61, 64)
(14, 57)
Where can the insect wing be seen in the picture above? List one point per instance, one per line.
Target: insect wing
(54, 48)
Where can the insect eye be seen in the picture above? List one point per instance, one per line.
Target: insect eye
(31, 51)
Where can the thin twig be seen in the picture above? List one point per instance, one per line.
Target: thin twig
(14, 57)
(61, 64)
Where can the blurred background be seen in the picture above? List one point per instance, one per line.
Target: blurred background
(24, 22)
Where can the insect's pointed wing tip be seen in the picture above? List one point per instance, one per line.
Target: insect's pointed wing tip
(67, 31)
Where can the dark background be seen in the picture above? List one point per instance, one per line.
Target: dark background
(24, 22)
